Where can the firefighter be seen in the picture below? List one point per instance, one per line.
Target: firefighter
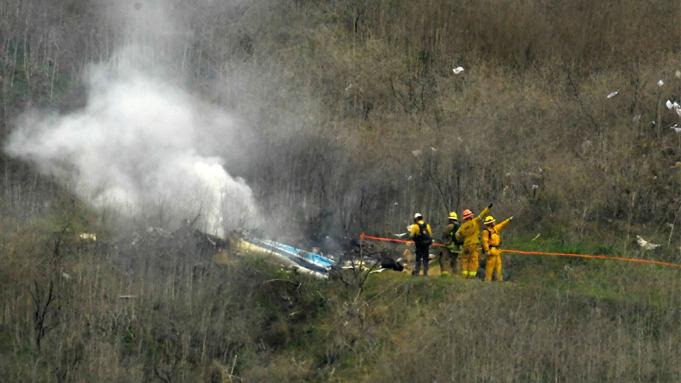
(422, 236)
(452, 246)
(469, 234)
(491, 240)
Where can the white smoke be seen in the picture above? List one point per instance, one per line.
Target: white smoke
(141, 146)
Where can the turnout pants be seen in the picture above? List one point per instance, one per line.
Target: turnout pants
(447, 259)
(494, 265)
(421, 258)
(469, 262)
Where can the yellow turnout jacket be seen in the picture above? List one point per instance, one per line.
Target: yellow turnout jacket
(470, 230)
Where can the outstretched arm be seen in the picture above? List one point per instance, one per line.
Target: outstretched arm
(484, 213)
(500, 226)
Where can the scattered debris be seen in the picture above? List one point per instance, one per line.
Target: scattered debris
(308, 262)
(675, 106)
(536, 237)
(636, 118)
(660, 83)
(409, 178)
(416, 152)
(389, 263)
(535, 187)
(676, 128)
(347, 88)
(433, 149)
(66, 276)
(678, 74)
(458, 70)
(677, 165)
(460, 139)
(613, 94)
(88, 236)
(401, 235)
(396, 203)
(645, 245)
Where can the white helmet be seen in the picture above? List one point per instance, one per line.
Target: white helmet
(418, 215)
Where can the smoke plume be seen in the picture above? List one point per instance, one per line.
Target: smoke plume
(141, 145)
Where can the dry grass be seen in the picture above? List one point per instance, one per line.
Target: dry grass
(337, 95)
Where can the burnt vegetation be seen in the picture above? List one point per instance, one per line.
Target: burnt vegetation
(353, 120)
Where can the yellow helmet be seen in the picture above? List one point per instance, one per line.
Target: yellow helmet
(453, 215)
(489, 219)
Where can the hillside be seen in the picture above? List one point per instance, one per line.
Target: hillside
(152, 310)
(310, 123)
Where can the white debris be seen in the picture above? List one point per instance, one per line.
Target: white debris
(401, 235)
(535, 187)
(678, 74)
(675, 106)
(396, 203)
(347, 88)
(88, 236)
(676, 128)
(636, 118)
(660, 83)
(613, 94)
(433, 149)
(416, 152)
(459, 138)
(645, 245)
(458, 70)
(66, 276)
(409, 178)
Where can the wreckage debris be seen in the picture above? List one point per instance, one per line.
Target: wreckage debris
(88, 236)
(308, 262)
(645, 245)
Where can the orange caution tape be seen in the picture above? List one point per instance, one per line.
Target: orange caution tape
(542, 253)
